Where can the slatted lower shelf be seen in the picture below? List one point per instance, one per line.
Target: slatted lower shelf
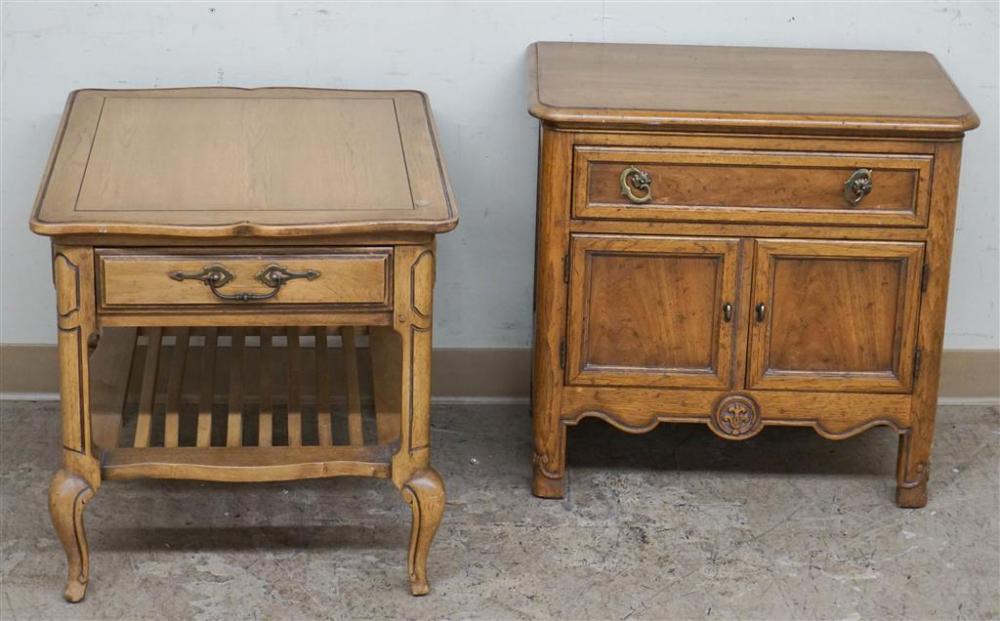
(242, 404)
(247, 464)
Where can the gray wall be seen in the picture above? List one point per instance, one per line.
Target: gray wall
(469, 58)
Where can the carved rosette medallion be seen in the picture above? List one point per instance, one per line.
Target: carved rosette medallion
(736, 417)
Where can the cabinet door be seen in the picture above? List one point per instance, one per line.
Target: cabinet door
(838, 316)
(652, 311)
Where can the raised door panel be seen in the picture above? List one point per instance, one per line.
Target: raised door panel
(651, 311)
(838, 316)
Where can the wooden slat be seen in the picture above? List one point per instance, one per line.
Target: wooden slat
(266, 420)
(171, 429)
(294, 393)
(386, 378)
(110, 366)
(234, 425)
(240, 464)
(147, 392)
(324, 420)
(351, 383)
(207, 388)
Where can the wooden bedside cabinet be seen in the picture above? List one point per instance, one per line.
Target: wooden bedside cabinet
(244, 288)
(742, 237)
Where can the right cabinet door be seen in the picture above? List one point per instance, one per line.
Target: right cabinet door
(834, 316)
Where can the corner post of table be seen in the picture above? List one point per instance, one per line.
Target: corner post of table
(552, 253)
(914, 457)
(419, 483)
(76, 482)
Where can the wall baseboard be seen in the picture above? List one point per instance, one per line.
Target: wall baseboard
(491, 375)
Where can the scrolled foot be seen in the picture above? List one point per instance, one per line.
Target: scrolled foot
(912, 471)
(549, 476)
(68, 494)
(545, 487)
(912, 496)
(424, 492)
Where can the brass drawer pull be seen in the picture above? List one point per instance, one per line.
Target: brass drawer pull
(640, 180)
(216, 276)
(274, 275)
(213, 275)
(727, 312)
(858, 186)
(760, 311)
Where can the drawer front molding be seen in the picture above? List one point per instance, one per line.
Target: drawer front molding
(131, 280)
(692, 185)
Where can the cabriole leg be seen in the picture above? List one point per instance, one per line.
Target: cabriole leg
(68, 494)
(419, 484)
(424, 492)
(75, 484)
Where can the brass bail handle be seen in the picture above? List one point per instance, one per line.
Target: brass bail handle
(858, 186)
(634, 177)
(216, 276)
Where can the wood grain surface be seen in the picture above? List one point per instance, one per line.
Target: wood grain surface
(743, 88)
(219, 162)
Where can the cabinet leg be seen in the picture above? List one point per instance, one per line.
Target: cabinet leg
(68, 494)
(549, 461)
(913, 469)
(424, 492)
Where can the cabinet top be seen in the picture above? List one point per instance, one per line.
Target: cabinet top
(220, 162)
(744, 89)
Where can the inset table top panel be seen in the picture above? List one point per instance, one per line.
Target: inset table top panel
(214, 162)
(745, 89)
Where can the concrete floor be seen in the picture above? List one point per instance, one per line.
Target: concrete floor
(675, 524)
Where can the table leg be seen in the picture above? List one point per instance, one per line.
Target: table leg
(68, 494)
(424, 492)
(75, 484)
(419, 484)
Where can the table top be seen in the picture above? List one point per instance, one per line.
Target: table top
(221, 162)
(745, 89)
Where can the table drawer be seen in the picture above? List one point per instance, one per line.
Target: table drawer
(187, 277)
(751, 186)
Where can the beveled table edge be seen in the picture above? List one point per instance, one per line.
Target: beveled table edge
(730, 122)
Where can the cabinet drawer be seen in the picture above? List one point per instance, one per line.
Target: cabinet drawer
(751, 186)
(348, 276)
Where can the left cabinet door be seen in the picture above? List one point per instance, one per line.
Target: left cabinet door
(652, 311)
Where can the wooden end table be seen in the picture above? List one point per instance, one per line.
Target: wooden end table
(220, 256)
